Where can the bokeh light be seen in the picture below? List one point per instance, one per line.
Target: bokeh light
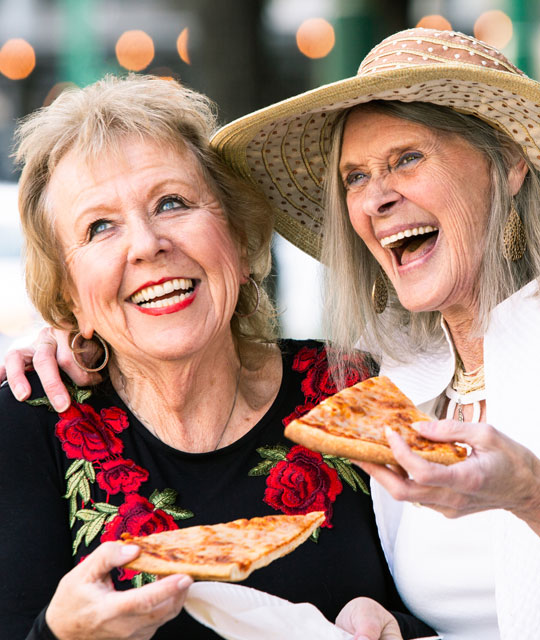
(134, 50)
(315, 37)
(17, 59)
(495, 28)
(434, 22)
(182, 46)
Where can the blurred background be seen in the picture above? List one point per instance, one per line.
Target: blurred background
(244, 54)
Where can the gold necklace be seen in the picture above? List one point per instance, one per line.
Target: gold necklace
(468, 381)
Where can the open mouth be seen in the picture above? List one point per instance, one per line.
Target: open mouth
(411, 244)
(165, 294)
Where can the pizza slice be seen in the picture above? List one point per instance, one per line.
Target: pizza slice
(227, 551)
(351, 424)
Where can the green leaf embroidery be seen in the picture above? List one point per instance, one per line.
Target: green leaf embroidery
(43, 401)
(74, 466)
(89, 471)
(93, 521)
(165, 498)
(315, 535)
(263, 468)
(105, 507)
(178, 514)
(346, 472)
(79, 394)
(275, 453)
(143, 578)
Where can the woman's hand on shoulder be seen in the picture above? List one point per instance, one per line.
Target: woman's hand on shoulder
(499, 473)
(49, 353)
(86, 606)
(366, 619)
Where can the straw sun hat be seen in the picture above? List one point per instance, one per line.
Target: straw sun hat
(284, 148)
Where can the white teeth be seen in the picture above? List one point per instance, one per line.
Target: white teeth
(157, 304)
(417, 231)
(158, 290)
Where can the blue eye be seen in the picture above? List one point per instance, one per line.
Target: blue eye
(98, 227)
(170, 203)
(408, 158)
(354, 178)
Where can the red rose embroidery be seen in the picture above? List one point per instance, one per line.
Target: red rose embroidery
(318, 383)
(121, 475)
(138, 517)
(302, 483)
(89, 435)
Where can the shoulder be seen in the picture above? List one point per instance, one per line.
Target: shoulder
(311, 357)
(32, 410)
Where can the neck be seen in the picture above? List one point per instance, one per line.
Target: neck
(470, 348)
(187, 403)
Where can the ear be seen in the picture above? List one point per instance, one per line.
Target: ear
(516, 176)
(86, 330)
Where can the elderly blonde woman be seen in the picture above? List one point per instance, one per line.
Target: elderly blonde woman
(431, 158)
(139, 239)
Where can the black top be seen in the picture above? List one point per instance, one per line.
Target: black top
(118, 477)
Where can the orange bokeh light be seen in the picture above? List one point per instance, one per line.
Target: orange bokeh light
(495, 28)
(435, 22)
(182, 46)
(315, 37)
(17, 59)
(134, 50)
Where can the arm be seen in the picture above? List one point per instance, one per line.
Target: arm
(48, 354)
(498, 474)
(35, 550)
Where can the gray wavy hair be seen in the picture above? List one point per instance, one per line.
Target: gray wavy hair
(95, 120)
(351, 269)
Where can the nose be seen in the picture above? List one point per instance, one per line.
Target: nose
(380, 197)
(145, 241)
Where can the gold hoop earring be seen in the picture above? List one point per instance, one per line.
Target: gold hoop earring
(379, 293)
(257, 303)
(75, 351)
(514, 238)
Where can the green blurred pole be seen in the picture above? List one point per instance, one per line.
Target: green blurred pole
(81, 59)
(520, 11)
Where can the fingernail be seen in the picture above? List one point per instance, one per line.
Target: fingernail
(20, 392)
(183, 583)
(128, 549)
(60, 403)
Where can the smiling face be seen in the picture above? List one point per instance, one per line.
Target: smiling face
(152, 265)
(419, 199)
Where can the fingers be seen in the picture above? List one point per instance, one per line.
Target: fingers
(164, 597)
(107, 556)
(47, 369)
(14, 370)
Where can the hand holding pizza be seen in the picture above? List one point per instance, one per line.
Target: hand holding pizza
(87, 607)
(368, 620)
(499, 473)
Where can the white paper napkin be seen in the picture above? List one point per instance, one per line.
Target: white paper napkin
(236, 612)
(241, 613)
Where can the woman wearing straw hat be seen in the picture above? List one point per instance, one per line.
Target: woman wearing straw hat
(430, 161)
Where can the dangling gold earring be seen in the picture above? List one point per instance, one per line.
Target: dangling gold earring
(514, 238)
(379, 293)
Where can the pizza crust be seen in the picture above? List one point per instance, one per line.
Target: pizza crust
(224, 552)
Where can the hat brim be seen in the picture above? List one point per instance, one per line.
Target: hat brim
(283, 148)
